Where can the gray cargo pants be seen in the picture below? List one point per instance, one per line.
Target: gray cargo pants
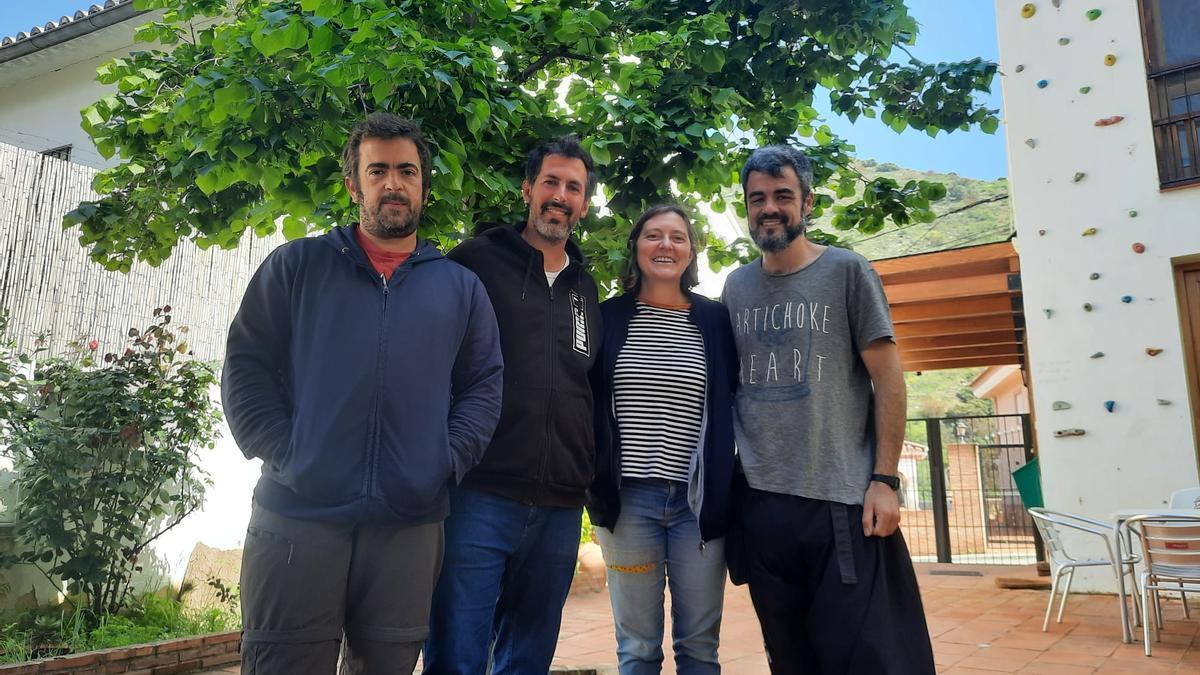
(312, 591)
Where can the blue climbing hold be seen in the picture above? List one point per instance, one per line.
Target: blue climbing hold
(1109, 405)
(1042, 84)
(1127, 299)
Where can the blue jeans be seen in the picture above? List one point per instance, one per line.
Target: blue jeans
(656, 542)
(505, 577)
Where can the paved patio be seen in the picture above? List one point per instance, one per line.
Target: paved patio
(976, 628)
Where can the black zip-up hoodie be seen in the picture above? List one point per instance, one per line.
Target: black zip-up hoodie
(542, 452)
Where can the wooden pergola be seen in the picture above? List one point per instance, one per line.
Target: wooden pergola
(958, 308)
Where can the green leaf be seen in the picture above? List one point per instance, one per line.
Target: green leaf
(713, 60)
(989, 125)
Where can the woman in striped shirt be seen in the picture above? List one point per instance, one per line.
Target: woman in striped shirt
(663, 389)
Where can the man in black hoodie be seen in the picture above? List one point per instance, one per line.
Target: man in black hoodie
(513, 533)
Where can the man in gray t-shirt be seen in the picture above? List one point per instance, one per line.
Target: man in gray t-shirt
(819, 423)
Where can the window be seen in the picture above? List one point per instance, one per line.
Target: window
(61, 152)
(1172, 42)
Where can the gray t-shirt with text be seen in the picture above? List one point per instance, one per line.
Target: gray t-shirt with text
(803, 413)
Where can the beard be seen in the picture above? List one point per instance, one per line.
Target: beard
(774, 243)
(554, 232)
(380, 222)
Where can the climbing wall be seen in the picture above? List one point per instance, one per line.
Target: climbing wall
(1096, 238)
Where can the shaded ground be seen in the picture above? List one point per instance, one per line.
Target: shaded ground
(976, 628)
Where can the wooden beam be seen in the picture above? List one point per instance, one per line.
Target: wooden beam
(965, 351)
(949, 289)
(945, 364)
(955, 271)
(995, 305)
(974, 324)
(998, 251)
(936, 341)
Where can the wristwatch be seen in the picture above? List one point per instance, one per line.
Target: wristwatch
(890, 481)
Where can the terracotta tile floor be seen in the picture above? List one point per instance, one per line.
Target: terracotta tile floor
(976, 628)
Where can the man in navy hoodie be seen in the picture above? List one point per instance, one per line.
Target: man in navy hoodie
(364, 370)
(513, 533)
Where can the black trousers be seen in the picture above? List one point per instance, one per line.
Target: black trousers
(830, 600)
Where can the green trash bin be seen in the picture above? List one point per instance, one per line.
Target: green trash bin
(1029, 484)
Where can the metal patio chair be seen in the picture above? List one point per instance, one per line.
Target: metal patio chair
(1051, 525)
(1171, 550)
(1187, 498)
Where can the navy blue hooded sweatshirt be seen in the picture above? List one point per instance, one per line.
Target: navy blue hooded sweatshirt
(364, 397)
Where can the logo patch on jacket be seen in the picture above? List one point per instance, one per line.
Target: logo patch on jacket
(579, 321)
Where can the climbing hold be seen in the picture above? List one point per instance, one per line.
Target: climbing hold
(1162, 401)
(1093, 14)
(1084, 90)
(1127, 299)
(1060, 405)
(1132, 213)
(1087, 307)
(1042, 84)
(1109, 405)
(1031, 142)
(1138, 247)
(1028, 10)
(1110, 59)
(1056, 3)
(1078, 176)
(1049, 313)
(1153, 351)
(1064, 41)
(1089, 232)
(1094, 276)
(1020, 67)
(1062, 433)
(1041, 233)
(1109, 121)
(1097, 355)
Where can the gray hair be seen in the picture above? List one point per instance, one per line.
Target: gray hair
(772, 159)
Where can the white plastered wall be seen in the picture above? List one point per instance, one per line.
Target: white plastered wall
(1137, 454)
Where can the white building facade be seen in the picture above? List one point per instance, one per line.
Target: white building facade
(1106, 202)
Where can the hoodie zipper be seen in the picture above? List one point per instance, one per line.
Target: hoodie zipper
(552, 352)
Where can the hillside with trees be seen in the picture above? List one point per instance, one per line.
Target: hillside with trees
(973, 212)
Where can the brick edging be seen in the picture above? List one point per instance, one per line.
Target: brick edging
(168, 657)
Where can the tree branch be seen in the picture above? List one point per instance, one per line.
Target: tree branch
(988, 200)
(541, 62)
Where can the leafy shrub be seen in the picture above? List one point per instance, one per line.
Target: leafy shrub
(103, 445)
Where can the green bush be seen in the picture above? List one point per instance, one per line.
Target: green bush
(104, 446)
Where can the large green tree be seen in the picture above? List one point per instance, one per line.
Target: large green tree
(228, 129)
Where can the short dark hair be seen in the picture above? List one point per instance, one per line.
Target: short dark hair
(631, 280)
(385, 126)
(567, 146)
(772, 159)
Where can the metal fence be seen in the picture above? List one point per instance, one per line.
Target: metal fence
(960, 502)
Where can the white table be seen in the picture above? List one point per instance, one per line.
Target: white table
(1120, 533)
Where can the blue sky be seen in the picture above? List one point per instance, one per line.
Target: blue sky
(950, 31)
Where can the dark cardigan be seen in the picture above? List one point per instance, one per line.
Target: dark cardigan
(721, 363)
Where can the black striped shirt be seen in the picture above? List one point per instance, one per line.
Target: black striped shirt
(658, 390)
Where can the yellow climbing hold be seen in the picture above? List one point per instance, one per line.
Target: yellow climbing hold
(1110, 59)
(1028, 10)
(1089, 232)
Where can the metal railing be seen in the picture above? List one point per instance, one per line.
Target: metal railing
(960, 501)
